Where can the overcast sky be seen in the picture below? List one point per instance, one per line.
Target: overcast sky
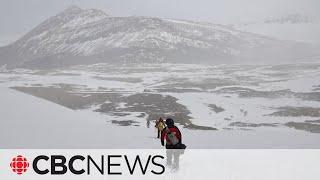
(19, 16)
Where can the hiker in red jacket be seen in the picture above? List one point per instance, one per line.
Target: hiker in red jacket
(172, 135)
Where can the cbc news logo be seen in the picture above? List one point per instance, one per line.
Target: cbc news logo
(19, 164)
(86, 164)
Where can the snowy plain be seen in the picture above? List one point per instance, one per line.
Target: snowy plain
(249, 106)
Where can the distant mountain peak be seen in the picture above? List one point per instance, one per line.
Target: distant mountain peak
(72, 8)
(74, 11)
(87, 36)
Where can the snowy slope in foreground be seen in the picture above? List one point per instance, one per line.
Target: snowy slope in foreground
(30, 122)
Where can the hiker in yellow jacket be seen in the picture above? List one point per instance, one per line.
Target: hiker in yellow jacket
(160, 125)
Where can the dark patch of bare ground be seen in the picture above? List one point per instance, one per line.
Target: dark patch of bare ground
(215, 108)
(247, 92)
(313, 121)
(186, 85)
(125, 123)
(153, 105)
(126, 79)
(305, 126)
(251, 93)
(65, 74)
(296, 111)
(309, 125)
(243, 124)
(316, 88)
(312, 126)
(196, 127)
(64, 96)
(177, 90)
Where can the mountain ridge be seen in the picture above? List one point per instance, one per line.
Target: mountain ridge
(86, 36)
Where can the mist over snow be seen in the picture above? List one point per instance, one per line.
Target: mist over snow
(97, 74)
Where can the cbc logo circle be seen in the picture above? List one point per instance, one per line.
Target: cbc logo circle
(19, 164)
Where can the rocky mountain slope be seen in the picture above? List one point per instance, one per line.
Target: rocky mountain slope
(78, 36)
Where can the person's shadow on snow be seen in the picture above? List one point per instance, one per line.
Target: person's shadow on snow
(173, 158)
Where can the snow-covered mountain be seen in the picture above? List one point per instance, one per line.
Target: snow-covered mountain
(296, 27)
(78, 36)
